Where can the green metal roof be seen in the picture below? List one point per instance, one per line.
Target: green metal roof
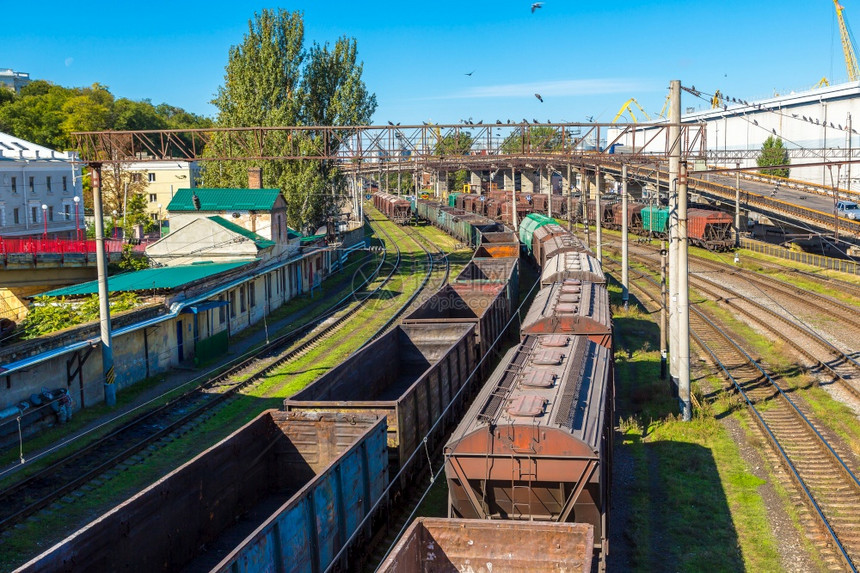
(311, 238)
(150, 279)
(224, 199)
(530, 224)
(261, 242)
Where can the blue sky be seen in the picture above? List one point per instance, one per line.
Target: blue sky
(585, 58)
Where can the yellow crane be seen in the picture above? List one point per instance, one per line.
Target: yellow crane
(717, 100)
(626, 107)
(847, 45)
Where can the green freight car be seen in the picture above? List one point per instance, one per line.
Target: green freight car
(452, 199)
(655, 220)
(530, 224)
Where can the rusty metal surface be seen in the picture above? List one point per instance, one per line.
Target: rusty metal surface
(434, 545)
(544, 234)
(498, 245)
(559, 244)
(276, 456)
(572, 265)
(587, 312)
(553, 467)
(399, 147)
(409, 375)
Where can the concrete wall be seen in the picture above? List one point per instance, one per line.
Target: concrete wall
(153, 350)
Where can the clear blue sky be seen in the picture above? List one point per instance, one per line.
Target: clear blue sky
(586, 58)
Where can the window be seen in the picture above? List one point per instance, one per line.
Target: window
(34, 211)
(153, 197)
(222, 312)
(67, 212)
(151, 177)
(14, 185)
(51, 213)
(252, 293)
(136, 177)
(48, 183)
(17, 217)
(65, 183)
(32, 184)
(269, 285)
(242, 305)
(232, 303)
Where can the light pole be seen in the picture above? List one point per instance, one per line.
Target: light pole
(77, 221)
(114, 223)
(45, 219)
(159, 220)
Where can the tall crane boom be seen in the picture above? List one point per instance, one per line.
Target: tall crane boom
(847, 45)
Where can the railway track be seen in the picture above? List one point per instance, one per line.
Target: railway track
(162, 425)
(827, 282)
(823, 481)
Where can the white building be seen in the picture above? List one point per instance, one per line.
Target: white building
(13, 80)
(163, 179)
(808, 122)
(40, 190)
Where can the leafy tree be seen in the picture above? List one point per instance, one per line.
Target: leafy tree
(49, 314)
(272, 80)
(773, 152)
(131, 261)
(540, 138)
(458, 143)
(119, 186)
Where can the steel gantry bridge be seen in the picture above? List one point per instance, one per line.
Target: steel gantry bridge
(462, 145)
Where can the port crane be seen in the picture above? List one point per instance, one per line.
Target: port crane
(626, 107)
(847, 44)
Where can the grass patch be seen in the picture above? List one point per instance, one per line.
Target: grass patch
(683, 471)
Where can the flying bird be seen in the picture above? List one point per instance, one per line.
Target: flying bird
(536, 5)
(539, 98)
(470, 73)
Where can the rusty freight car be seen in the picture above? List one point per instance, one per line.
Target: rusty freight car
(571, 307)
(535, 445)
(572, 265)
(434, 545)
(409, 375)
(283, 492)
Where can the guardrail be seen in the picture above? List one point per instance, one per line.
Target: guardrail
(801, 257)
(56, 246)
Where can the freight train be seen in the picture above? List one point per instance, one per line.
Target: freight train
(306, 488)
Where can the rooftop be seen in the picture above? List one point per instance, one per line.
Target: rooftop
(220, 200)
(261, 242)
(151, 279)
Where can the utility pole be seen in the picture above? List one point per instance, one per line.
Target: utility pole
(584, 205)
(737, 204)
(569, 201)
(514, 198)
(598, 216)
(674, 167)
(625, 285)
(683, 299)
(104, 301)
(663, 309)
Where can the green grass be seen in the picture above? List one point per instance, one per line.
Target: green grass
(686, 474)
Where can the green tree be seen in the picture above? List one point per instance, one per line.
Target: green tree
(540, 138)
(457, 143)
(271, 79)
(48, 314)
(773, 152)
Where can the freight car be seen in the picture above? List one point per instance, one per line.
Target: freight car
(710, 229)
(572, 265)
(556, 245)
(432, 544)
(395, 208)
(529, 225)
(655, 220)
(285, 491)
(634, 217)
(409, 375)
(535, 445)
(571, 307)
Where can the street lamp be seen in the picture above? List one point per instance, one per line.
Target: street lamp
(114, 223)
(45, 219)
(159, 220)
(77, 221)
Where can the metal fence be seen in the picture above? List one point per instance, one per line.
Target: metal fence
(56, 246)
(801, 257)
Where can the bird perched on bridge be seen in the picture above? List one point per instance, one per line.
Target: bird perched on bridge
(536, 5)
(539, 98)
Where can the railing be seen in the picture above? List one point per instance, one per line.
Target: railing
(56, 246)
(801, 257)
